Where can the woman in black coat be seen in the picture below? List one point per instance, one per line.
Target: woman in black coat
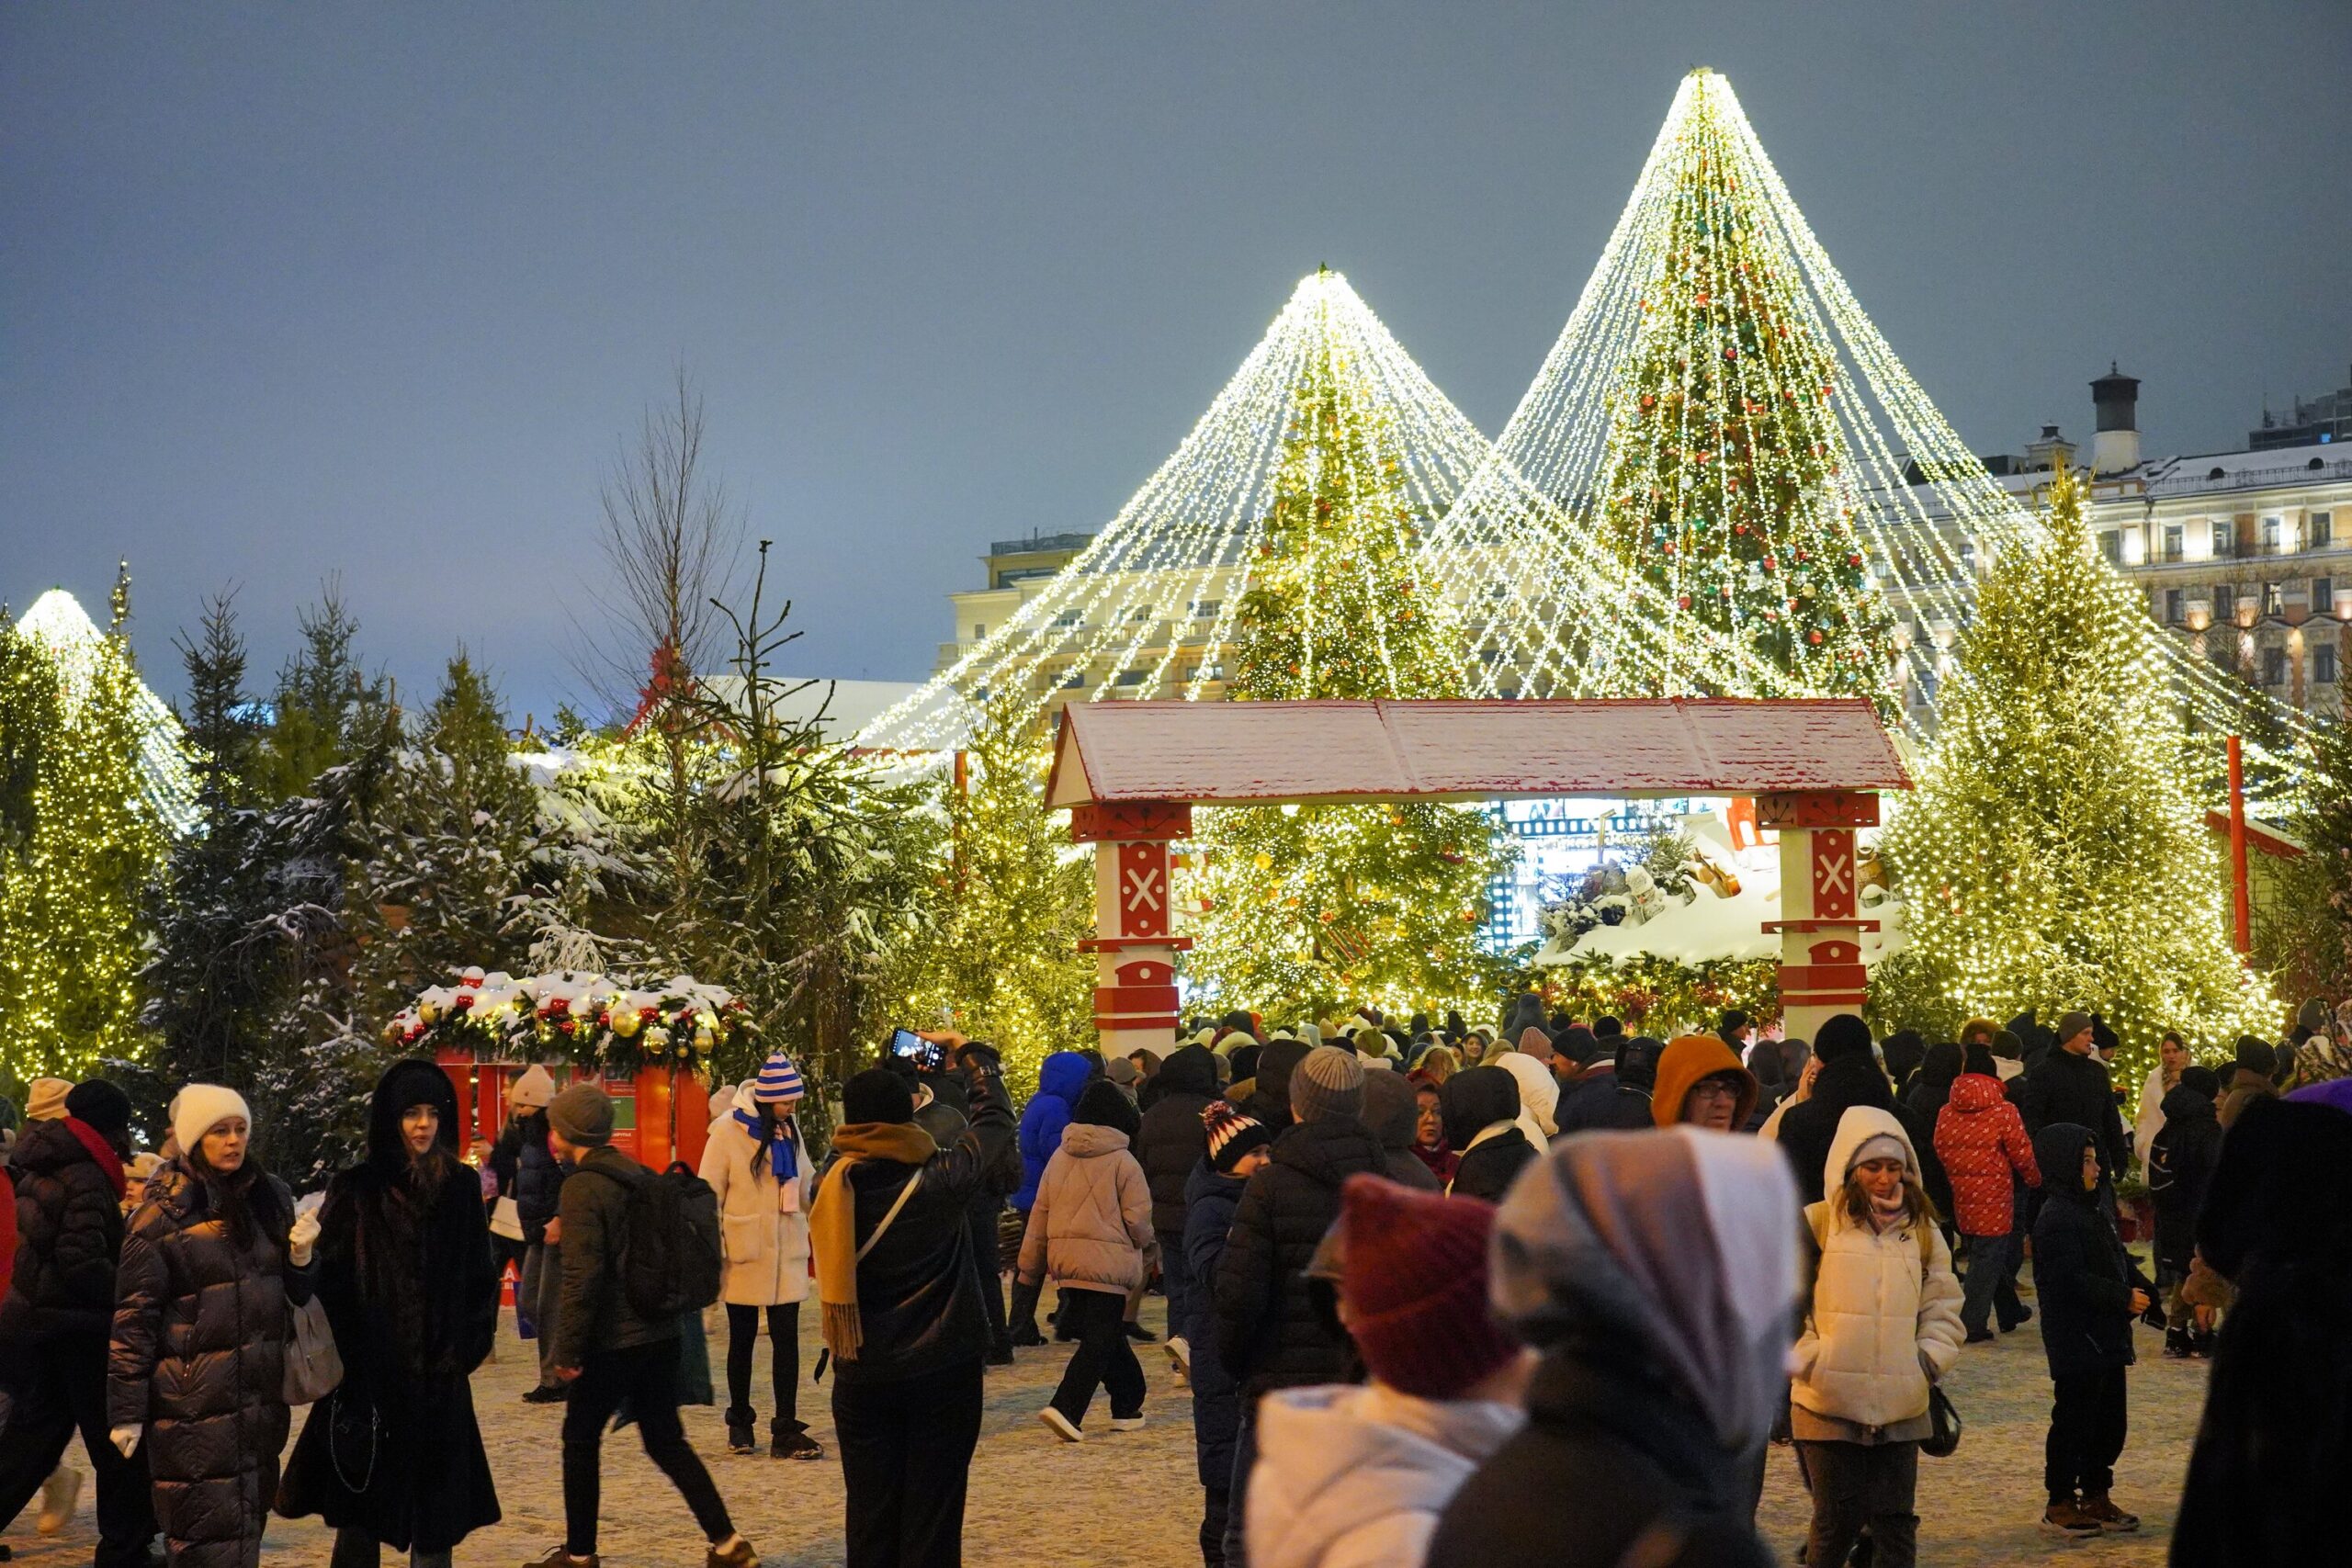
(410, 1285)
(1480, 1107)
(196, 1369)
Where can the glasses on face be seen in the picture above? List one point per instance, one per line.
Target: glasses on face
(1714, 1089)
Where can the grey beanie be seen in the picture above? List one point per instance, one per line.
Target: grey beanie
(1329, 1082)
(582, 1114)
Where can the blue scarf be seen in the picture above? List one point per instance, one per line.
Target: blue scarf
(782, 1160)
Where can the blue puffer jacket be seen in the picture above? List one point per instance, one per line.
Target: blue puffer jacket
(1061, 1079)
(1210, 1200)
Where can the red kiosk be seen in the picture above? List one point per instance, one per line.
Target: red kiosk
(1130, 773)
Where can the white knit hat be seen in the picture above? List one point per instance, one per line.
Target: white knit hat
(201, 1106)
(531, 1090)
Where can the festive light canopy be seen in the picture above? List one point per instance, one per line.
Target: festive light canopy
(1724, 480)
(1146, 609)
(73, 641)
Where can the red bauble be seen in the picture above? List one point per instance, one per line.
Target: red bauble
(1814, 637)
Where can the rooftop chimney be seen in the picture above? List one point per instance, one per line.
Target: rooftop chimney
(2116, 445)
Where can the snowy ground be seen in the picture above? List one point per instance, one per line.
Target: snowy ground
(1131, 1500)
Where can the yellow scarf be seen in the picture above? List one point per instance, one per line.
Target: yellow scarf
(832, 1222)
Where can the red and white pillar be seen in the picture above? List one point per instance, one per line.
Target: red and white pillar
(1134, 942)
(1821, 928)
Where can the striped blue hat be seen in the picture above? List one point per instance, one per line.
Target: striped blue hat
(779, 1081)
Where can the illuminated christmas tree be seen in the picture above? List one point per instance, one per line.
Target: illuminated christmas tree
(1322, 907)
(83, 838)
(2053, 856)
(1015, 899)
(1727, 490)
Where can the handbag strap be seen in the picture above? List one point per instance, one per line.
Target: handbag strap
(904, 1193)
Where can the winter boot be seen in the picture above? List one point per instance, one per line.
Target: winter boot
(788, 1438)
(1023, 1317)
(2177, 1345)
(734, 1552)
(740, 1439)
(58, 1496)
(1139, 1334)
(2065, 1518)
(2101, 1509)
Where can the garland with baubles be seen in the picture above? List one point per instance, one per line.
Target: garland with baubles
(596, 1020)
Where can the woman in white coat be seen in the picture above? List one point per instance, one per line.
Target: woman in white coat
(755, 1163)
(1882, 1324)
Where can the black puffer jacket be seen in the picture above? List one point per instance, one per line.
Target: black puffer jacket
(1672, 1499)
(1173, 1141)
(69, 1231)
(2180, 1165)
(2064, 1086)
(412, 1290)
(1267, 1333)
(198, 1356)
(918, 1291)
(2081, 1273)
(1807, 1130)
(536, 1181)
(1474, 1100)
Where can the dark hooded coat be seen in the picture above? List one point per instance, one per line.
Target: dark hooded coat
(1172, 1140)
(1844, 1082)
(1269, 1098)
(2180, 1167)
(410, 1287)
(198, 1352)
(1392, 1108)
(68, 1232)
(2081, 1273)
(1472, 1100)
(2277, 1433)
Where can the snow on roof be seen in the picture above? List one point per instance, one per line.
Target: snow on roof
(1466, 751)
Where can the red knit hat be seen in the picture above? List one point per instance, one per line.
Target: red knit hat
(1415, 1288)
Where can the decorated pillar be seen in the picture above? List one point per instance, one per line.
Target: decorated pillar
(1821, 926)
(1134, 942)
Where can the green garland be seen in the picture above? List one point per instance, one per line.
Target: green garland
(596, 1020)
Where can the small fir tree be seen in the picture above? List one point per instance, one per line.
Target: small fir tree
(2053, 856)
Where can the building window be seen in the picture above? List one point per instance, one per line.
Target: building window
(1074, 681)
(2323, 595)
(2110, 544)
(2220, 541)
(2323, 530)
(1204, 608)
(2270, 531)
(2225, 604)
(979, 630)
(2274, 598)
(2274, 666)
(2173, 546)
(2176, 606)
(1070, 618)
(1133, 677)
(2323, 665)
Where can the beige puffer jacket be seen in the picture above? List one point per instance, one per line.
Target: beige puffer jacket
(1093, 1219)
(1884, 1307)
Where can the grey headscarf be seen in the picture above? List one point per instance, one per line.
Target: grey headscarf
(1681, 1242)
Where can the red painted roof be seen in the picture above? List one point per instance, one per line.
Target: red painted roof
(1115, 751)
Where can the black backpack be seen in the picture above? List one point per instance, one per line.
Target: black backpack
(669, 1256)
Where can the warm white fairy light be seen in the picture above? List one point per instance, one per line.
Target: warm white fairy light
(59, 624)
(1124, 607)
(1581, 616)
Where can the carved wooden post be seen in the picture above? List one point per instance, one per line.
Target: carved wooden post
(1134, 942)
(1821, 928)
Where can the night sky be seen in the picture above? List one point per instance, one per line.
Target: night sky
(290, 291)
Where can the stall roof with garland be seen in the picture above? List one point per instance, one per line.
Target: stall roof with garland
(1271, 754)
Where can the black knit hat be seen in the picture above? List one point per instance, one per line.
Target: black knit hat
(100, 1106)
(1104, 1104)
(1841, 1034)
(876, 1094)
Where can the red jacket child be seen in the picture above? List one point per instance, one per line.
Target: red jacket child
(1981, 1139)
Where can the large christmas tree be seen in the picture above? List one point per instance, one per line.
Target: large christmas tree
(80, 839)
(2053, 856)
(1726, 487)
(1309, 908)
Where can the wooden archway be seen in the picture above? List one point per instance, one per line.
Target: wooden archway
(1130, 772)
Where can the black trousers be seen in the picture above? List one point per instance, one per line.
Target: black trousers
(62, 1389)
(647, 1377)
(1863, 1485)
(784, 1360)
(2088, 1421)
(982, 1220)
(1105, 1356)
(906, 1450)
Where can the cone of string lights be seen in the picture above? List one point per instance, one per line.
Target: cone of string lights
(2052, 856)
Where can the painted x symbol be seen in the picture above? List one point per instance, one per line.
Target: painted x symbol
(1143, 889)
(1834, 876)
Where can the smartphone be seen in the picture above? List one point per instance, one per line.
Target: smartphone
(928, 1055)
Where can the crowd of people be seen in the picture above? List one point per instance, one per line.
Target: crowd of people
(1415, 1276)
